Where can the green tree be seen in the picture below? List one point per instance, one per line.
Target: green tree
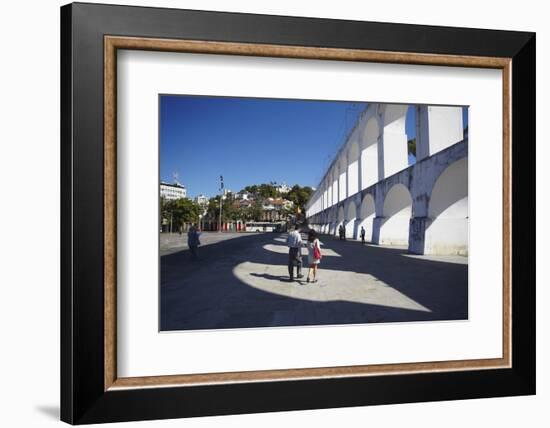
(213, 210)
(251, 189)
(411, 147)
(286, 212)
(299, 196)
(230, 211)
(180, 211)
(253, 212)
(267, 191)
(264, 190)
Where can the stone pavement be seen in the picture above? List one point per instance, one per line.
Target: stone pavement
(173, 242)
(240, 281)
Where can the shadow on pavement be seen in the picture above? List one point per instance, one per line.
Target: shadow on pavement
(206, 294)
(271, 277)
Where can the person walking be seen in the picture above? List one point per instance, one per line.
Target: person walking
(193, 242)
(362, 235)
(313, 255)
(341, 232)
(294, 242)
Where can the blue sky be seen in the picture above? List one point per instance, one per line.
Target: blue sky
(251, 141)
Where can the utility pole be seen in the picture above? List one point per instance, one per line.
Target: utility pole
(221, 202)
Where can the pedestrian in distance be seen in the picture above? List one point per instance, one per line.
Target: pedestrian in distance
(341, 232)
(193, 242)
(362, 235)
(313, 255)
(295, 244)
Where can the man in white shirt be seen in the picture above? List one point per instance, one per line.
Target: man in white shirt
(294, 242)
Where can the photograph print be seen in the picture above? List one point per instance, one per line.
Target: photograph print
(289, 212)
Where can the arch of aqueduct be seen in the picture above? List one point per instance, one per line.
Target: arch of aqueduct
(370, 183)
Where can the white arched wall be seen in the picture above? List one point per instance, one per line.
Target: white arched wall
(437, 128)
(325, 222)
(351, 216)
(330, 190)
(332, 221)
(447, 232)
(366, 217)
(369, 153)
(340, 218)
(335, 177)
(353, 168)
(394, 156)
(396, 214)
(342, 179)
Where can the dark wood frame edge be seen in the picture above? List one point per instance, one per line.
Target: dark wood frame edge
(83, 396)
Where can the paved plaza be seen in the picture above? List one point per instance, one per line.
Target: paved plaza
(241, 280)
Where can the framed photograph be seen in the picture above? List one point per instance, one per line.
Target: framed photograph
(266, 213)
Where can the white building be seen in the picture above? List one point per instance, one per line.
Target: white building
(273, 209)
(283, 188)
(173, 191)
(244, 195)
(201, 200)
(226, 193)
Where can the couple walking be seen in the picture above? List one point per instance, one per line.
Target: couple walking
(295, 243)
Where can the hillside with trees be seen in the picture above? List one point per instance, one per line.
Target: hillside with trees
(177, 214)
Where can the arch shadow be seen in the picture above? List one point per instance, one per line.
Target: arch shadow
(208, 295)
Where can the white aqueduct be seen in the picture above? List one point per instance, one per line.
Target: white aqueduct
(370, 183)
